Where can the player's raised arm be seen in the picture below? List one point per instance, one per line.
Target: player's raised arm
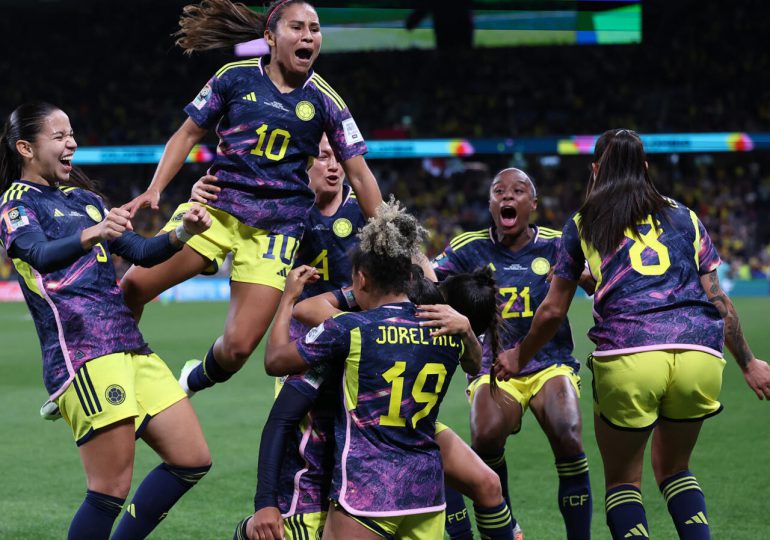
(174, 155)
(364, 185)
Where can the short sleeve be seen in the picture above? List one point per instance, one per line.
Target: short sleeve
(708, 258)
(344, 136)
(209, 105)
(570, 260)
(329, 341)
(16, 219)
(448, 263)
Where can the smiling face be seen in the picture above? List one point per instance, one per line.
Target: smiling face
(49, 157)
(511, 201)
(326, 174)
(296, 42)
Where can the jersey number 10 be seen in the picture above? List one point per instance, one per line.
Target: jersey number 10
(268, 150)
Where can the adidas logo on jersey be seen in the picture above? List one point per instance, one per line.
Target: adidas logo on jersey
(283, 273)
(57, 213)
(251, 96)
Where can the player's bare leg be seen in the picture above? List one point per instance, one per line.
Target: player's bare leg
(140, 285)
(672, 446)
(340, 526)
(557, 408)
(623, 455)
(176, 436)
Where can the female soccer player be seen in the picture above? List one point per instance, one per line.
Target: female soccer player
(521, 257)
(295, 467)
(661, 320)
(394, 375)
(107, 383)
(269, 114)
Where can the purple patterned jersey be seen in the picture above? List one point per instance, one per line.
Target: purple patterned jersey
(307, 465)
(395, 375)
(648, 291)
(266, 139)
(79, 312)
(522, 286)
(326, 245)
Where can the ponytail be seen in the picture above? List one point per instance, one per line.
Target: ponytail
(215, 24)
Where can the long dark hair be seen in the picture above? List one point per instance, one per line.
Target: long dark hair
(214, 24)
(388, 243)
(475, 296)
(620, 193)
(25, 124)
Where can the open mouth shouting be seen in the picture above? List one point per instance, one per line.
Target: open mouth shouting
(508, 215)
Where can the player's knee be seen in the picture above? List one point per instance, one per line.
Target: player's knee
(568, 440)
(236, 351)
(488, 438)
(486, 489)
(116, 485)
(664, 468)
(134, 294)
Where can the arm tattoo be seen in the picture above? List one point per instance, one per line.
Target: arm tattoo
(734, 338)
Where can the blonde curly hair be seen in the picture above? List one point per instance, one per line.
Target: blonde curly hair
(393, 232)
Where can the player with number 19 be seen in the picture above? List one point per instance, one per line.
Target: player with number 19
(270, 114)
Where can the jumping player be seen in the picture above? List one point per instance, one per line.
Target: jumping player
(105, 380)
(521, 257)
(270, 114)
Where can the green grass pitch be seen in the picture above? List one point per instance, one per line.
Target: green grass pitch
(42, 482)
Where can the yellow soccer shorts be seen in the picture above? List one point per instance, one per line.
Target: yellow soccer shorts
(259, 256)
(523, 389)
(633, 391)
(426, 526)
(309, 526)
(116, 387)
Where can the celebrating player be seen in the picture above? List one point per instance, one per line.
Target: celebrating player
(661, 319)
(295, 466)
(394, 375)
(270, 114)
(107, 383)
(521, 257)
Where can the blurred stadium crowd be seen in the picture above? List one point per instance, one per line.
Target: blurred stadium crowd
(124, 86)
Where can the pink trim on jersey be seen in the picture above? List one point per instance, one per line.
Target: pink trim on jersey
(661, 347)
(62, 342)
(297, 477)
(354, 511)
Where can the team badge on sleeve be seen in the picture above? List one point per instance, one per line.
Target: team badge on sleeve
(352, 133)
(202, 98)
(16, 217)
(313, 334)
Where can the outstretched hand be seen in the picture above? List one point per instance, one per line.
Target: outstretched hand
(757, 375)
(150, 198)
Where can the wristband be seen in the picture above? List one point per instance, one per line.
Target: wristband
(181, 234)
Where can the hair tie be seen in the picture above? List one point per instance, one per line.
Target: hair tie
(272, 12)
